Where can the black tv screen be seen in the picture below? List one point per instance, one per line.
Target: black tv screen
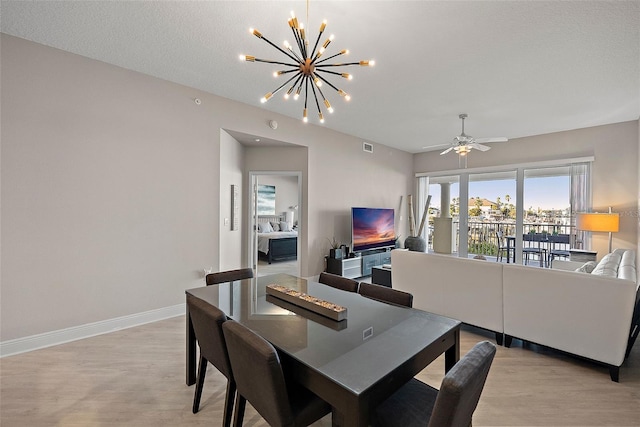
(372, 228)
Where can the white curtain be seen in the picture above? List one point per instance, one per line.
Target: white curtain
(580, 199)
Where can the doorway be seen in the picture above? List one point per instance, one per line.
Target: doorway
(274, 219)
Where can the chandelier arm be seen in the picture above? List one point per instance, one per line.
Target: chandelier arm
(299, 59)
(321, 94)
(306, 90)
(275, 62)
(316, 45)
(298, 42)
(330, 72)
(278, 47)
(327, 58)
(327, 82)
(313, 89)
(293, 70)
(338, 65)
(298, 77)
(282, 85)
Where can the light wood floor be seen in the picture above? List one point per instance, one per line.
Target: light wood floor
(135, 377)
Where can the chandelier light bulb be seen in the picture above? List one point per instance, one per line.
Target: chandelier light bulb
(304, 116)
(321, 117)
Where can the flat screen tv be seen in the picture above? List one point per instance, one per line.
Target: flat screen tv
(372, 228)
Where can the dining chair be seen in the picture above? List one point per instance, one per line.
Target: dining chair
(385, 294)
(502, 247)
(557, 252)
(229, 276)
(207, 323)
(418, 404)
(534, 248)
(261, 380)
(338, 282)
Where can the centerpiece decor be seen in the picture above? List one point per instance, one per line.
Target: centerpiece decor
(311, 303)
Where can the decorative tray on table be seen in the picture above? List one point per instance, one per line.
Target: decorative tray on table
(311, 303)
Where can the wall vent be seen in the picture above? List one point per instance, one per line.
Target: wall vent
(367, 148)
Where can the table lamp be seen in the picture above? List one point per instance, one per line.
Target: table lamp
(602, 222)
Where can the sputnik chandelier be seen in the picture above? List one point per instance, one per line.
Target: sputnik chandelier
(306, 66)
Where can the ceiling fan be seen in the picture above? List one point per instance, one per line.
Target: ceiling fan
(463, 143)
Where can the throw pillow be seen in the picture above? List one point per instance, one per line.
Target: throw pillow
(275, 226)
(587, 267)
(284, 226)
(265, 227)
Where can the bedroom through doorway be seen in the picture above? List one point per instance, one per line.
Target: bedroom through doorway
(275, 221)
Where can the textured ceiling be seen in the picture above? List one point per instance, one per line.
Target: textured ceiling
(517, 68)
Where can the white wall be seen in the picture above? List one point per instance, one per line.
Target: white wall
(615, 180)
(230, 241)
(113, 194)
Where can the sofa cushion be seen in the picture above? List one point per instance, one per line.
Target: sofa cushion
(587, 267)
(608, 265)
(627, 269)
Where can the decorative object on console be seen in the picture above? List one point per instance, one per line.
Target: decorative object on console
(306, 68)
(601, 222)
(415, 242)
(335, 251)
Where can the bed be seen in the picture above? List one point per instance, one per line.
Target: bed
(276, 245)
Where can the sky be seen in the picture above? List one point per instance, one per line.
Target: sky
(543, 193)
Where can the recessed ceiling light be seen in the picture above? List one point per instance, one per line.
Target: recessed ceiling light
(257, 139)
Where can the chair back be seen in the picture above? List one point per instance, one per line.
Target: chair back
(461, 388)
(258, 373)
(559, 238)
(338, 282)
(207, 323)
(229, 276)
(385, 294)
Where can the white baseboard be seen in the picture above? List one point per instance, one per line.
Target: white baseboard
(48, 339)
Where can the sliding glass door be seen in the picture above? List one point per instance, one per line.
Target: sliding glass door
(518, 201)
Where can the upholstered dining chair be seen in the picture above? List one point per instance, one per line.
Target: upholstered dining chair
(207, 323)
(261, 381)
(229, 276)
(385, 294)
(338, 282)
(418, 404)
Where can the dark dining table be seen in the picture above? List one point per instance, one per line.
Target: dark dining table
(353, 364)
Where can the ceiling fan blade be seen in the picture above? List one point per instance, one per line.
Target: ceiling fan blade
(446, 151)
(497, 139)
(480, 147)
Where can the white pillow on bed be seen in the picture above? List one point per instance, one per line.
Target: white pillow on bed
(265, 227)
(275, 226)
(284, 226)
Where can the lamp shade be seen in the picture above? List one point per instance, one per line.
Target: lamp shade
(606, 222)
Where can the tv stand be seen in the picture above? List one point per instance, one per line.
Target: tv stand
(374, 257)
(359, 266)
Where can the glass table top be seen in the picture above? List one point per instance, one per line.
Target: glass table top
(371, 342)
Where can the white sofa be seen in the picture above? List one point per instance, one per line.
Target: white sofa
(588, 315)
(466, 289)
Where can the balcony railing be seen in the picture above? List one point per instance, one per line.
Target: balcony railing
(483, 240)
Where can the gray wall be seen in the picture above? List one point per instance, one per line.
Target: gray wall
(614, 172)
(115, 186)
